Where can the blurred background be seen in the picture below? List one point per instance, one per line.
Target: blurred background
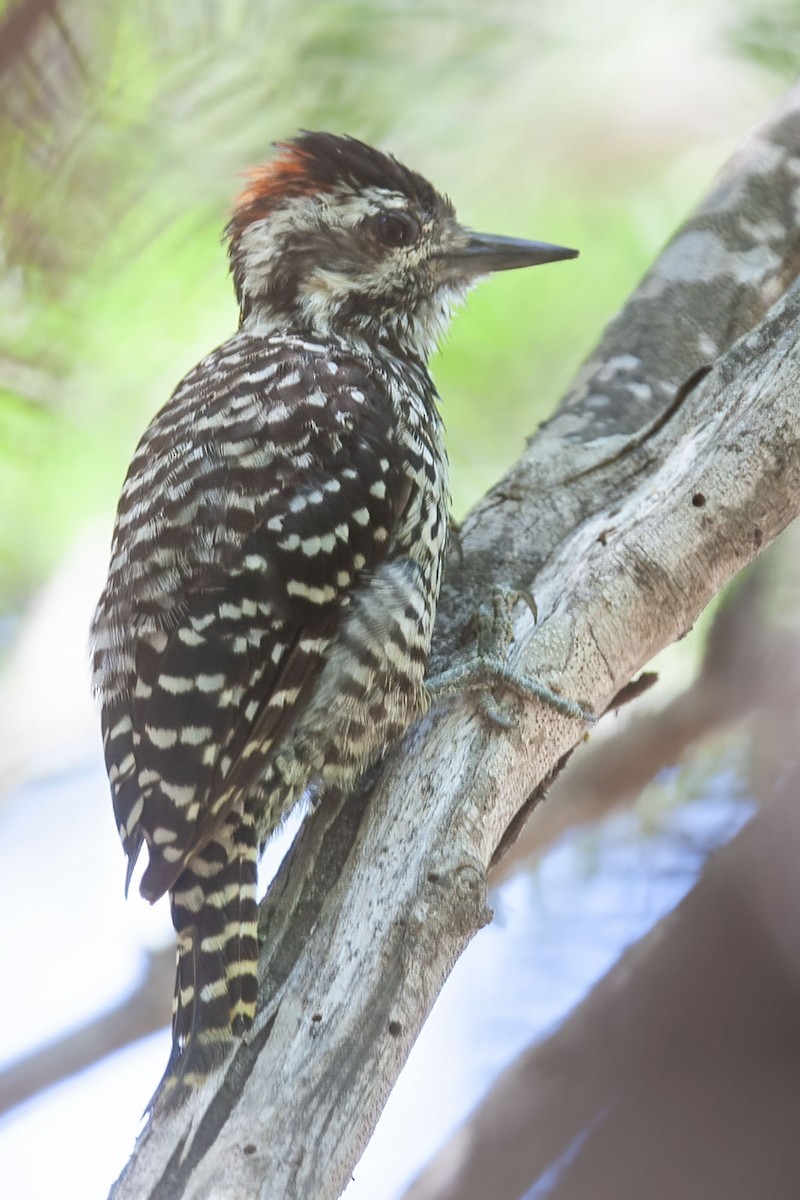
(123, 129)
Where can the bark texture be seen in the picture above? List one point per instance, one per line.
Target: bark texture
(679, 1074)
(672, 462)
(742, 661)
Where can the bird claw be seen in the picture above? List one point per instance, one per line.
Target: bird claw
(488, 671)
(495, 715)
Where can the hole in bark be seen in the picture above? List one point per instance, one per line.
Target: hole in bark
(316, 1018)
(249, 1148)
(395, 1028)
(698, 500)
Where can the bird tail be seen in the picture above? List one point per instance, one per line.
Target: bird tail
(215, 915)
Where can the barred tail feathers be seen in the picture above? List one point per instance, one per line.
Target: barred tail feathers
(215, 915)
(241, 949)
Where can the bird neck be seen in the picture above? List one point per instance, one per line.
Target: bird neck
(396, 334)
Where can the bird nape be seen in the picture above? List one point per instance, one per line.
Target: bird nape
(278, 549)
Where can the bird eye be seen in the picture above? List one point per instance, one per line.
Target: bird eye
(395, 229)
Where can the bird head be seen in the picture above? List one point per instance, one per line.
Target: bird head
(335, 237)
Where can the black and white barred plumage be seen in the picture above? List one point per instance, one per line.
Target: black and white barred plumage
(278, 550)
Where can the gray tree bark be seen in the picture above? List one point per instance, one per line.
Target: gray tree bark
(671, 463)
(743, 658)
(679, 1074)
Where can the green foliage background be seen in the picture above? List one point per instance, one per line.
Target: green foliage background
(123, 127)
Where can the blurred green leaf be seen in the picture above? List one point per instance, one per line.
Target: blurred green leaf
(123, 128)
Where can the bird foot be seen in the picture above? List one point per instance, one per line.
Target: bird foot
(489, 671)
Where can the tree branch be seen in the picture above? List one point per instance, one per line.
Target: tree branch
(646, 498)
(677, 1074)
(142, 1013)
(737, 677)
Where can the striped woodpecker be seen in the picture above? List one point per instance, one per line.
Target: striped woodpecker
(278, 548)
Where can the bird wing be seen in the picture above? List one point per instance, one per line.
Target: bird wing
(260, 508)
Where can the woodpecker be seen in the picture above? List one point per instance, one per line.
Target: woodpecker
(278, 548)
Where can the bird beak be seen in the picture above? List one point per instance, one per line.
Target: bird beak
(483, 253)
